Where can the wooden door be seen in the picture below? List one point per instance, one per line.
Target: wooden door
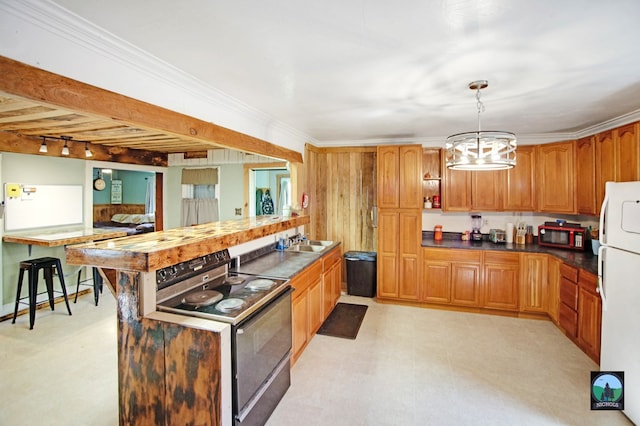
(436, 281)
(336, 271)
(589, 315)
(628, 153)
(388, 172)
(388, 229)
(456, 189)
(410, 238)
(553, 287)
(486, 190)
(500, 281)
(465, 284)
(300, 325)
(586, 177)
(520, 187)
(555, 179)
(315, 306)
(605, 163)
(534, 285)
(410, 177)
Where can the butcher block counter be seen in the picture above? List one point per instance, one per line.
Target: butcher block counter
(155, 250)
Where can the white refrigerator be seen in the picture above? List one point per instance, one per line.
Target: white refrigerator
(619, 287)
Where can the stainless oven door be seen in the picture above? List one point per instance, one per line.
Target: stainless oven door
(261, 343)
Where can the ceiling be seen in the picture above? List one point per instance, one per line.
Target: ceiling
(366, 70)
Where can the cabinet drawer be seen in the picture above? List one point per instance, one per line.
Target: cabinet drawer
(569, 272)
(305, 278)
(452, 255)
(588, 282)
(568, 319)
(330, 258)
(501, 257)
(569, 293)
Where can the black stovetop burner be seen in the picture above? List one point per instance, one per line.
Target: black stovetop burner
(240, 296)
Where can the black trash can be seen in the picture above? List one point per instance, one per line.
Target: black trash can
(361, 273)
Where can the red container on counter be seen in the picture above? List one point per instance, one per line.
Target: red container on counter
(437, 233)
(436, 201)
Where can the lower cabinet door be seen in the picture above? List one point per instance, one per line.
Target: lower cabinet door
(315, 307)
(501, 287)
(465, 279)
(300, 327)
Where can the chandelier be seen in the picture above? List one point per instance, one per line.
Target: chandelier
(481, 150)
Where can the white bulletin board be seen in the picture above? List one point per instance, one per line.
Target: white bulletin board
(37, 206)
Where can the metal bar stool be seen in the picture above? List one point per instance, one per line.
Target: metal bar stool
(33, 266)
(97, 284)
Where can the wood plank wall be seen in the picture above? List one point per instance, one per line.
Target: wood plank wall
(342, 189)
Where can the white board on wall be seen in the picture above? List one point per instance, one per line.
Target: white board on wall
(39, 206)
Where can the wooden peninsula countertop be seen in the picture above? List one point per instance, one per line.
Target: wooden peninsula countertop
(154, 250)
(58, 238)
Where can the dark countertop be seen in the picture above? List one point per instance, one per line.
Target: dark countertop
(279, 264)
(580, 259)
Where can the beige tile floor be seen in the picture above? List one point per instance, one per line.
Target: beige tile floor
(408, 366)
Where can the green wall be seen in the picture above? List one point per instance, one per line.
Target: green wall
(134, 186)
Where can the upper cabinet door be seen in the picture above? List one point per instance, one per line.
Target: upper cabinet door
(456, 188)
(628, 153)
(410, 177)
(486, 190)
(388, 183)
(605, 163)
(520, 190)
(555, 179)
(586, 176)
(400, 177)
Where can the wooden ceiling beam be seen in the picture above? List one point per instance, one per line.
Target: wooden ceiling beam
(23, 144)
(43, 87)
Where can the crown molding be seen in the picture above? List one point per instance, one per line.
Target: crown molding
(615, 122)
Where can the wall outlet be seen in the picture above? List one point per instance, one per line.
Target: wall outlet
(485, 222)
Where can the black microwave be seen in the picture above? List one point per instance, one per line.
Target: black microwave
(573, 238)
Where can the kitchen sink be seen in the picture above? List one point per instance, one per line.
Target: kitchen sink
(307, 248)
(311, 246)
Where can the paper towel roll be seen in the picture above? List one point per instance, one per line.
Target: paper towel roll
(509, 232)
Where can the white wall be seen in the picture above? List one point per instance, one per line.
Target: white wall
(460, 222)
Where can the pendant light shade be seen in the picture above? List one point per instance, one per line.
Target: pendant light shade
(481, 150)
(87, 151)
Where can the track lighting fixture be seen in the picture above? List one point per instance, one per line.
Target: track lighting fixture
(43, 147)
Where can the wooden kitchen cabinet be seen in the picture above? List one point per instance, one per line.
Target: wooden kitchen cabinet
(306, 307)
(553, 287)
(628, 153)
(555, 177)
(456, 188)
(399, 241)
(520, 186)
(331, 280)
(436, 279)
(534, 284)
(451, 276)
(589, 315)
(586, 176)
(501, 280)
(400, 177)
(605, 161)
(568, 301)
(399, 221)
(498, 190)
(486, 190)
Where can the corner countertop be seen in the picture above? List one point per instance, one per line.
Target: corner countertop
(155, 250)
(580, 259)
(281, 264)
